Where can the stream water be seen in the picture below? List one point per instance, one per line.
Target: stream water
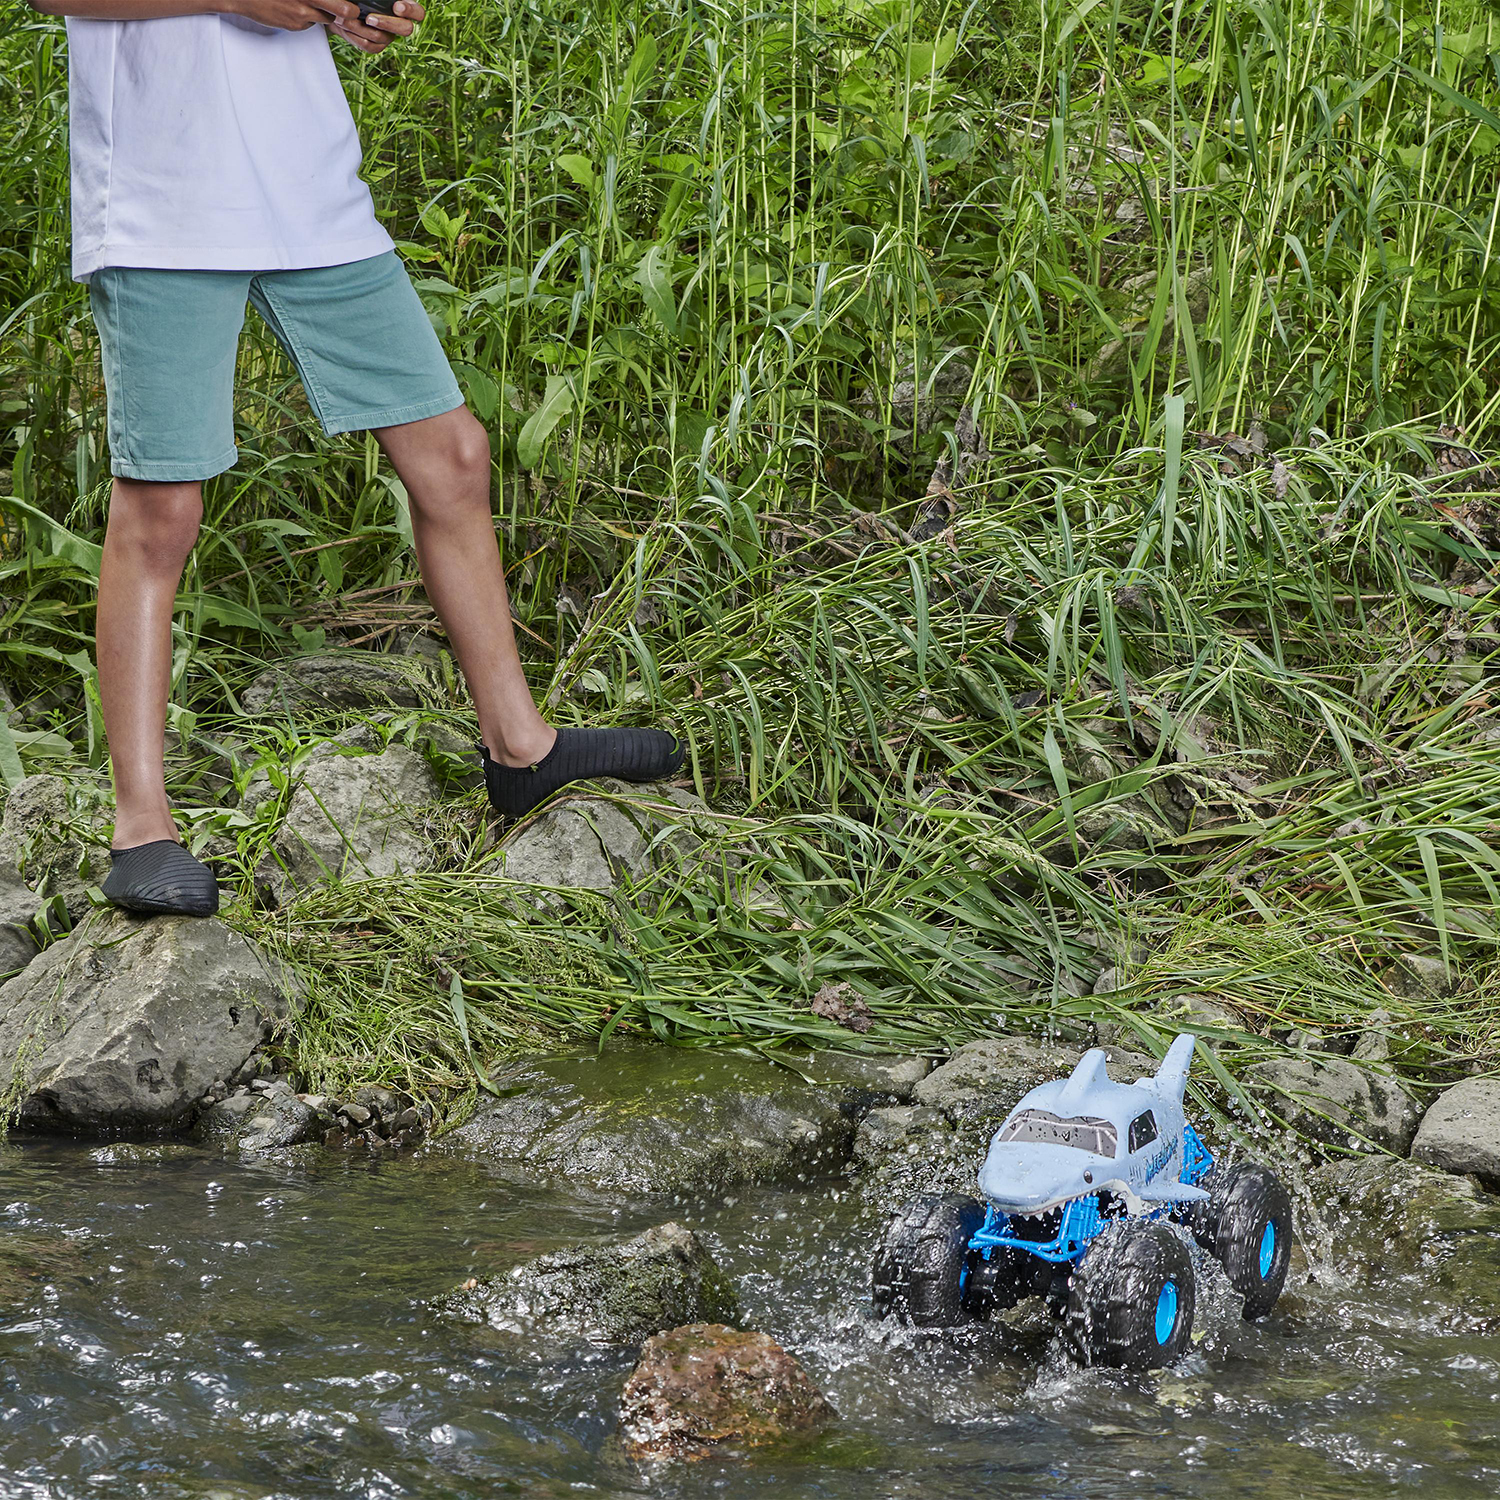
(220, 1328)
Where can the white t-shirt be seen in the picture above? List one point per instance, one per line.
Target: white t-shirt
(212, 143)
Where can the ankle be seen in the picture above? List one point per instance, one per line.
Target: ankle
(135, 828)
(517, 748)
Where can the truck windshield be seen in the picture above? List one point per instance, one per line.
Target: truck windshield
(1083, 1131)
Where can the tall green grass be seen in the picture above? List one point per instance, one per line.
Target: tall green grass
(1199, 644)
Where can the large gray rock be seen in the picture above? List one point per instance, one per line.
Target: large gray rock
(611, 1292)
(590, 842)
(647, 1119)
(57, 832)
(1332, 1099)
(18, 905)
(126, 1023)
(1461, 1131)
(1200, 1014)
(342, 680)
(352, 817)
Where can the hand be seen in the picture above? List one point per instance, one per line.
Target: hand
(376, 32)
(295, 15)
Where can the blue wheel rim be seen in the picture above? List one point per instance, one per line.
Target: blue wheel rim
(1267, 1250)
(1166, 1312)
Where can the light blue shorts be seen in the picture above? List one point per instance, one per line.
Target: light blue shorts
(358, 335)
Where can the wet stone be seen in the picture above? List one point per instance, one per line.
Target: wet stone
(257, 1121)
(1461, 1130)
(616, 1291)
(1416, 976)
(706, 1387)
(645, 1119)
(867, 1078)
(984, 1080)
(899, 1130)
(1334, 1100)
(1387, 1217)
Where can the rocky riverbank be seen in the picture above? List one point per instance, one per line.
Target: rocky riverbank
(176, 1036)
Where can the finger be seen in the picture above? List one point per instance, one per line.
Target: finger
(341, 10)
(394, 25)
(411, 10)
(361, 39)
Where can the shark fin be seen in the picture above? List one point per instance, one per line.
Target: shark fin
(1172, 1192)
(1091, 1071)
(1171, 1077)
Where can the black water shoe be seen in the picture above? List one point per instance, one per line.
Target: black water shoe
(161, 879)
(581, 755)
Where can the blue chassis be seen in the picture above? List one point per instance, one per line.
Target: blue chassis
(1081, 1219)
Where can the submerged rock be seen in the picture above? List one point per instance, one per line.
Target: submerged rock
(29, 1263)
(611, 1292)
(649, 1119)
(126, 1023)
(589, 843)
(1388, 1217)
(1461, 1131)
(706, 1386)
(1332, 1099)
(343, 680)
(352, 817)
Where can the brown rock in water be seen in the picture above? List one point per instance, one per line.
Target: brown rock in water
(706, 1385)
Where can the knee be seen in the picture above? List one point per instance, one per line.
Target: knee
(455, 468)
(470, 453)
(159, 519)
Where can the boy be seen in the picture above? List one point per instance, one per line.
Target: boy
(215, 161)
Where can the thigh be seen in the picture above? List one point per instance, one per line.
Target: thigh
(362, 343)
(168, 341)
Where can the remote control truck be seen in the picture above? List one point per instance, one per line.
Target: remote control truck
(1079, 1190)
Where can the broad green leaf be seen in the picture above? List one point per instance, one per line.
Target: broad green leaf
(653, 276)
(555, 406)
(10, 756)
(926, 58)
(580, 169)
(65, 544)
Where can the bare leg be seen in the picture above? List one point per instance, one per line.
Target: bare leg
(152, 529)
(444, 462)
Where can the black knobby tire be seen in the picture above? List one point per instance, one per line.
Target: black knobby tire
(1128, 1279)
(921, 1270)
(1247, 1227)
